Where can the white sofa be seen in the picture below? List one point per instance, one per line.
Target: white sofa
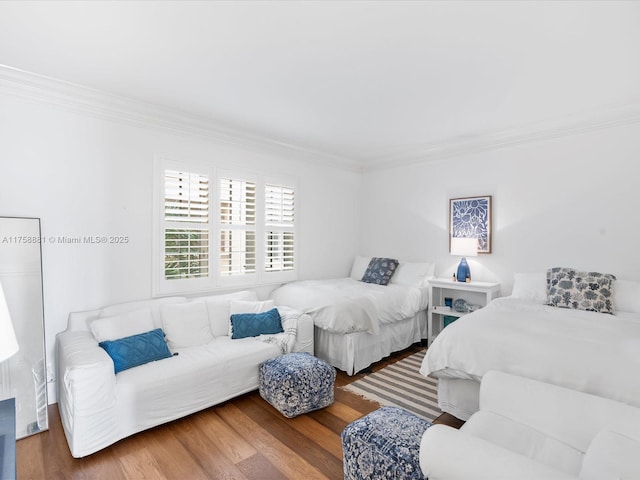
(527, 429)
(98, 407)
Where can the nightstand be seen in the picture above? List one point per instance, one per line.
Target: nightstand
(473, 293)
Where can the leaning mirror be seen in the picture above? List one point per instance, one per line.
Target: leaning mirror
(23, 375)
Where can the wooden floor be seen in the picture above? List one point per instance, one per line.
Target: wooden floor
(244, 438)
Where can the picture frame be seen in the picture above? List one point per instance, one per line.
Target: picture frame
(470, 217)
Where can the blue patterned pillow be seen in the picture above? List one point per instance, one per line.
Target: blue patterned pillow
(245, 325)
(129, 352)
(380, 270)
(591, 291)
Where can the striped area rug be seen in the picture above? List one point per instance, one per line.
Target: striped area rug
(401, 385)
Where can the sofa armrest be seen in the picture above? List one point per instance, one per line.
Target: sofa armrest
(86, 392)
(447, 453)
(304, 336)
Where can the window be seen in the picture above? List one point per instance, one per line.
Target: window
(186, 218)
(220, 228)
(237, 217)
(279, 204)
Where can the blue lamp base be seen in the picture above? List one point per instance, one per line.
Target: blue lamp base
(463, 271)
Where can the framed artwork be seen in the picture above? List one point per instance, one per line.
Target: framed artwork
(470, 217)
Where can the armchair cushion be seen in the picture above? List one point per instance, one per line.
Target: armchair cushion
(611, 456)
(525, 440)
(447, 453)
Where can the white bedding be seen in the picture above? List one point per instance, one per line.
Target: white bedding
(344, 305)
(587, 351)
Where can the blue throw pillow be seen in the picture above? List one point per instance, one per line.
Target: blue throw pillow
(380, 270)
(245, 325)
(129, 352)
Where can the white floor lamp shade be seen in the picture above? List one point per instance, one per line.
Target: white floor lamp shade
(8, 342)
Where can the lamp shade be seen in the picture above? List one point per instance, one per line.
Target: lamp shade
(8, 342)
(464, 247)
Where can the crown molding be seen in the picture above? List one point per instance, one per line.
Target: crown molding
(80, 99)
(99, 104)
(604, 118)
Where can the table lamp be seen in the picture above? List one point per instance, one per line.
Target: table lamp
(465, 247)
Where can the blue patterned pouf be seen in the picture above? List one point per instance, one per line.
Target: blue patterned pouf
(384, 445)
(297, 383)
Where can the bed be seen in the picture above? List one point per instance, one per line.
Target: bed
(358, 323)
(589, 351)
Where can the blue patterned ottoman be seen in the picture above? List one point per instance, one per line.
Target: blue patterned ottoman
(297, 383)
(384, 445)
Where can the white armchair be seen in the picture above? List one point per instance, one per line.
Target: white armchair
(527, 429)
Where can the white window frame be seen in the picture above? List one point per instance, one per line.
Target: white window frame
(215, 281)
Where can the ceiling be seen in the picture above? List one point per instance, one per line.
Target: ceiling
(360, 80)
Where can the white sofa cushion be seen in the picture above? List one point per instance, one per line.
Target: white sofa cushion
(154, 305)
(122, 325)
(186, 324)
(218, 308)
(196, 378)
(611, 456)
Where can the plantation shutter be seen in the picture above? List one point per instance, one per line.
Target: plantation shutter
(186, 225)
(279, 228)
(237, 218)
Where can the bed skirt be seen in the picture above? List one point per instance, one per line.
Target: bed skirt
(352, 352)
(459, 397)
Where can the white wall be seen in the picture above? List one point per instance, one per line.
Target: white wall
(570, 201)
(87, 176)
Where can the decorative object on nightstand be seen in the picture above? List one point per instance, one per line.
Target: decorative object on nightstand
(465, 247)
(460, 305)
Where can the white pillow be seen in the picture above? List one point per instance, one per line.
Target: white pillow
(155, 306)
(530, 286)
(239, 306)
(626, 296)
(611, 456)
(413, 274)
(122, 325)
(248, 307)
(218, 309)
(360, 265)
(186, 324)
(247, 295)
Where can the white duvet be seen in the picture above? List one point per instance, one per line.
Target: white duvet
(345, 305)
(587, 351)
